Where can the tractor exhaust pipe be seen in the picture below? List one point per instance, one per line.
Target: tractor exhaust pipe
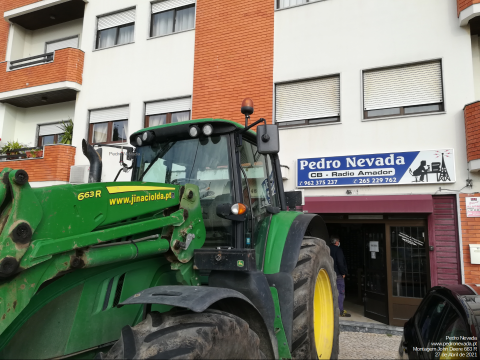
(95, 159)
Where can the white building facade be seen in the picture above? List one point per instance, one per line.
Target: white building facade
(351, 85)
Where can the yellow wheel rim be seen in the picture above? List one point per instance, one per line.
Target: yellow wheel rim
(323, 315)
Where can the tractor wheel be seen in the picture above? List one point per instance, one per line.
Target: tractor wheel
(212, 334)
(315, 313)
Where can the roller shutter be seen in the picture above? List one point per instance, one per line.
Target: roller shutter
(403, 86)
(309, 99)
(61, 44)
(169, 4)
(168, 106)
(50, 129)
(111, 114)
(117, 19)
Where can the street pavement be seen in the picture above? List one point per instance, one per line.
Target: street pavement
(358, 345)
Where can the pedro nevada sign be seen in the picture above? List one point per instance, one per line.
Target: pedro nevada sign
(412, 167)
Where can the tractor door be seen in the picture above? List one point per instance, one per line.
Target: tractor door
(259, 190)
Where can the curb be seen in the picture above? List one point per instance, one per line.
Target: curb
(356, 326)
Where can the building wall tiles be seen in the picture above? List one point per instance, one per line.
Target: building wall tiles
(472, 130)
(470, 235)
(233, 59)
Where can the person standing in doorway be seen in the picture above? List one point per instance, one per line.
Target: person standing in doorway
(341, 269)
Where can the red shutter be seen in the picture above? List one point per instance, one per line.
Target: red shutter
(443, 233)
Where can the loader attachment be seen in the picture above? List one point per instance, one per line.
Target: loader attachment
(52, 231)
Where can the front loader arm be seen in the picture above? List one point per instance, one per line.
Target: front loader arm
(72, 227)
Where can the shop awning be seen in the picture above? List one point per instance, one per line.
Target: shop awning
(369, 204)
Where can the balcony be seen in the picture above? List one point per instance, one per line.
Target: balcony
(472, 131)
(467, 10)
(45, 13)
(53, 165)
(42, 80)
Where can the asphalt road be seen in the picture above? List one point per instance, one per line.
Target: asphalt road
(357, 345)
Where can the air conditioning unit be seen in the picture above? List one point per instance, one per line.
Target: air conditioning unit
(79, 174)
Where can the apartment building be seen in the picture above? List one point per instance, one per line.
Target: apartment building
(376, 101)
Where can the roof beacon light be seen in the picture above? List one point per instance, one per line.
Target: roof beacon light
(207, 130)
(238, 209)
(247, 109)
(139, 141)
(194, 131)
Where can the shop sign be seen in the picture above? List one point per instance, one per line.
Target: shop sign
(412, 167)
(473, 206)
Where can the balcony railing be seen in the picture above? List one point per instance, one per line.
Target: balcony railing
(32, 60)
(54, 165)
(22, 153)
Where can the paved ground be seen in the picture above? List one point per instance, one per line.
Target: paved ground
(357, 345)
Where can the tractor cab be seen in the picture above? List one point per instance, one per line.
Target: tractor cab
(239, 184)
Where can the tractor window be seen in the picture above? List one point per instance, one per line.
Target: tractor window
(260, 192)
(203, 162)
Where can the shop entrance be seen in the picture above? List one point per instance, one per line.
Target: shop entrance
(388, 267)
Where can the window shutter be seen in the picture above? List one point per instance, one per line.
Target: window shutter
(169, 4)
(61, 44)
(403, 86)
(168, 106)
(117, 19)
(50, 129)
(112, 114)
(309, 99)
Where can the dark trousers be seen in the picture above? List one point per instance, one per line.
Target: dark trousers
(341, 291)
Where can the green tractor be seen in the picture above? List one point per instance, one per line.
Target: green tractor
(202, 255)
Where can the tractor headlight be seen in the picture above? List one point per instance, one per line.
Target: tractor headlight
(194, 130)
(207, 130)
(139, 141)
(145, 136)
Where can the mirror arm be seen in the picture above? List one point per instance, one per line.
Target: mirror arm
(252, 125)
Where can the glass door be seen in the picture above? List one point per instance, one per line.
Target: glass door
(409, 276)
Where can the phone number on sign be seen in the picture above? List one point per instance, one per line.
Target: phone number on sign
(355, 181)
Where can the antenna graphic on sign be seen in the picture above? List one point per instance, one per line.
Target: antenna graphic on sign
(443, 176)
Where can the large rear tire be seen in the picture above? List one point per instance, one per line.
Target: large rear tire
(212, 334)
(315, 314)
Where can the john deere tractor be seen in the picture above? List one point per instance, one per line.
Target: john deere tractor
(202, 255)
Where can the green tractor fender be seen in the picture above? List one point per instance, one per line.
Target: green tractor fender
(200, 298)
(283, 248)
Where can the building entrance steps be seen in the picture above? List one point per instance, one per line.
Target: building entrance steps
(359, 323)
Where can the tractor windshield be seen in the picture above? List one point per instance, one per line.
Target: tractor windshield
(203, 162)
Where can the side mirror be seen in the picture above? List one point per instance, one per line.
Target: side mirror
(268, 140)
(225, 212)
(293, 198)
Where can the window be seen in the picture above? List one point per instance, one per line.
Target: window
(167, 111)
(51, 46)
(49, 134)
(259, 191)
(308, 102)
(409, 261)
(453, 327)
(115, 29)
(281, 4)
(203, 162)
(172, 16)
(403, 90)
(428, 318)
(109, 125)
